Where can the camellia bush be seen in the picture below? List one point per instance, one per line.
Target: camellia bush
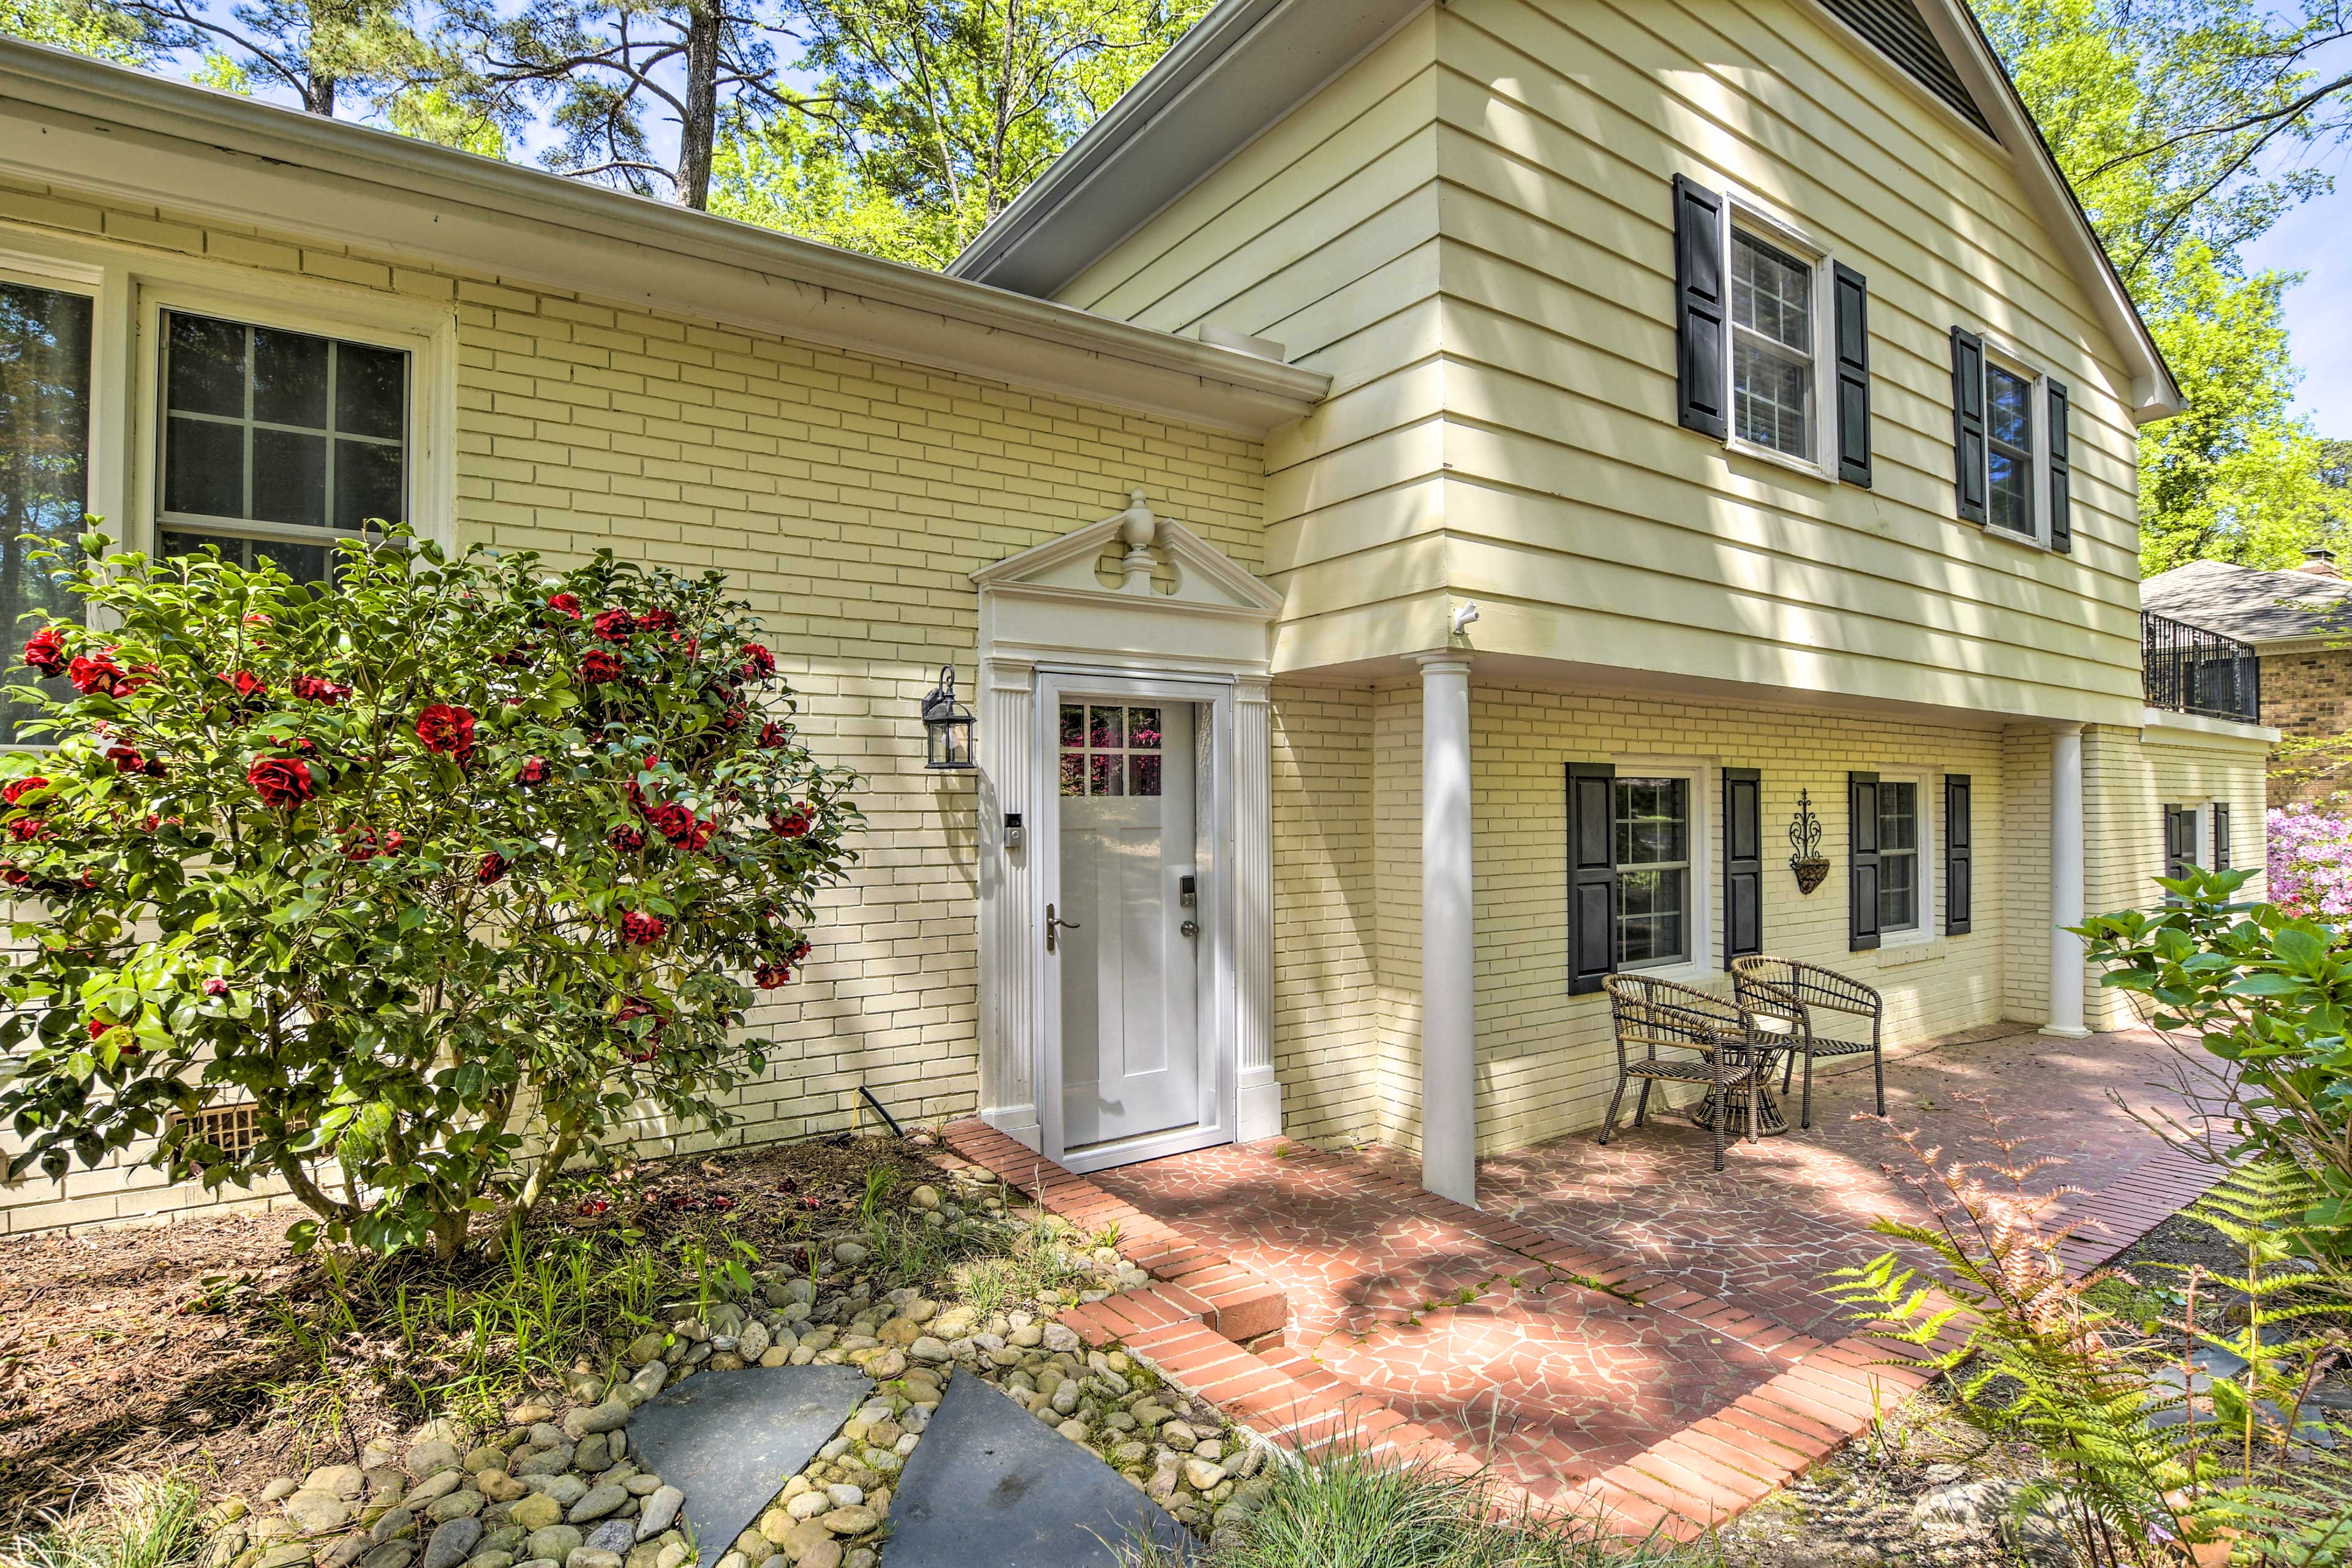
(457, 861)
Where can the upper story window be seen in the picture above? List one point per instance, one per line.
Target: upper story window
(1772, 357)
(276, 441)
(1772, 337)
(2011, 468)
(2011, 479)
(45, 403)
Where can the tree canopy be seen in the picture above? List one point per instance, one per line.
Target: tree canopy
(2188, 128)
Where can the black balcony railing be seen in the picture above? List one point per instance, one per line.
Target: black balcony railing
(2189, 669)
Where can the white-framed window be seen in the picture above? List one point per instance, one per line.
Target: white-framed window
(1780, 372)
(2014, 478)
(49, 328)
(187, 400)
(1652, 821)
(1902, 856)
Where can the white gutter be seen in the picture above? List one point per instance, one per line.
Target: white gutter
(81, 125)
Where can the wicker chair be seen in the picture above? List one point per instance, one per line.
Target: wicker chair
(1721, 1035)
(1784, 995)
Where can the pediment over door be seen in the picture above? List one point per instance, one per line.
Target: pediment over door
(1049, 601)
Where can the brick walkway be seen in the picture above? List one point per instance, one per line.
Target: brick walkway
(1621, 1330)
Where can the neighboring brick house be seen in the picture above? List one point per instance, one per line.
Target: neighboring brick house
(2300, 628)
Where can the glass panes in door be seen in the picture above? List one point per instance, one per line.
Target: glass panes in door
(1110, 748)
(287, 430)
(45, 389)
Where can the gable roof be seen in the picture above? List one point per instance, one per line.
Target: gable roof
(1246, 64)
(2249, 603)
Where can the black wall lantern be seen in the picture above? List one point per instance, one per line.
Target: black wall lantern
(947, 725)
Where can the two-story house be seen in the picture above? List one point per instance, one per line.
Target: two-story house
(1428, 505)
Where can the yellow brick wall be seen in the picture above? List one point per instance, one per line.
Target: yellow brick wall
(2127, 781)
(1545, 1062)
(847, 497)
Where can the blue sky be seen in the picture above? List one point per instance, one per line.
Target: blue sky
(2316, 239)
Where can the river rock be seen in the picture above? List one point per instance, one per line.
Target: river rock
(393, 1525)
(614, 1535)
(557, 1541)
(604, 1417)
(566, 1490)
(849, 1520)
(537, 1512)
(593, 1454)
(452, 1543)
(600, 1502)
(499, 1487)
(390, 1555)
(337, 1481)
(315, 1513)
(430, 1455)
(592, 1557)
(456, 1505)
(660, 1512)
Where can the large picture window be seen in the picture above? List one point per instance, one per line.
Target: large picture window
(1650, 823)
(1772, 351)
(276, 442)
(45, 393)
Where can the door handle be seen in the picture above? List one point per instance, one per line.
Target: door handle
(1054, 924)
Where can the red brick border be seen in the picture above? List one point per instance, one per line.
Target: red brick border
(1193, 1322)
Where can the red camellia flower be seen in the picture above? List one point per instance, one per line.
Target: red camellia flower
(44, 650)
(493, 866)
(215, 986)
(534, 770)
(317, 689)
(15, 876)
(447, 732)
(24, 829)
(17, 789)
(280, 781)
(360, 844)
(600, 666)
(642, 929)
(772, 734)
(615, 625)
(657, 621)
(245, 684)
(100, 675)
(627, 840)
(126, 759)
(631, 1010)
(771, 974)
(681, 826)
(564, 604)
(98, 1027)
(800, 950)
(757, 662)
(792, 824)
(732, 720)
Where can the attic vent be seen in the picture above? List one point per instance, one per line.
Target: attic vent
(1896, 30)
(229, 1128)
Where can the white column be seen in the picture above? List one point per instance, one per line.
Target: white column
(1257, 1097)
(2066, 882)
(1449, 1014)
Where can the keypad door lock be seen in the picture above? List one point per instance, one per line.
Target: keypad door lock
(1188, 892)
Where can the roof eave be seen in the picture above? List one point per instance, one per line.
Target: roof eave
(260, 165)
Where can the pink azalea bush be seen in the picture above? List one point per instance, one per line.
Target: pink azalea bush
(456, 860)
(2311, 862)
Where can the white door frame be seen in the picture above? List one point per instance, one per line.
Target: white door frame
(1181, 613)
(1213, 967)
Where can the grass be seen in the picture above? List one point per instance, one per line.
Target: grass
(1347, 1511)
(132, 1522)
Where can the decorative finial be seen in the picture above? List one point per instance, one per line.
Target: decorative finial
(1138, 529)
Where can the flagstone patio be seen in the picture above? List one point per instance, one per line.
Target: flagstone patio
(1622, 1326)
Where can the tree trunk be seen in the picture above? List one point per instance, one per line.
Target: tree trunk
(700, 128)
(319, 97)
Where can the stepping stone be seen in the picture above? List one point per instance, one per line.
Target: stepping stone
(991, 1484)
(729, 1440)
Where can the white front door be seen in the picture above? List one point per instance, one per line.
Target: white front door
(1128, 930)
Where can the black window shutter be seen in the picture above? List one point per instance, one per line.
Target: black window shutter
(1743, 863)
(1969, 424)
(1862, 855)
(2180, 839)
(2061, 475)
(1959, 866)
(1853, 375)
(1699, 312)
(2220, 837)
(1591, 876)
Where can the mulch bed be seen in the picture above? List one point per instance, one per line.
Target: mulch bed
(164, 1347)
